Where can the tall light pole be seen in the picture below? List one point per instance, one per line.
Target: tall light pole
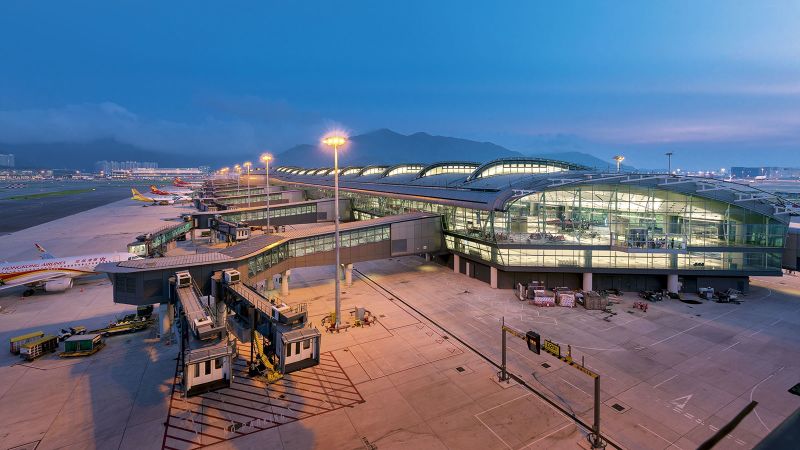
(238, 169)
(336, 141)
(266, 157)
(669, 163)
(248, 164)
(619, 159)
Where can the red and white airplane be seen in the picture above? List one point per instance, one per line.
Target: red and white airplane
(171, 191)
(54, 274)
(177, 182)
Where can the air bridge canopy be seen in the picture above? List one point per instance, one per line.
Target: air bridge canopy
(292, 213)
(146, 281)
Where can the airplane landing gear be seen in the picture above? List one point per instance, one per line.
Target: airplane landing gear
(28, 292)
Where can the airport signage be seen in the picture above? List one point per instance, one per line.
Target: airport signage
(552, 348)
(534, 341)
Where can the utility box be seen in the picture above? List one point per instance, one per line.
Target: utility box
(231, 277)
(183, 279)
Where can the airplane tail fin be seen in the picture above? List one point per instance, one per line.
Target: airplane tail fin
(153, 189)
(45, 253)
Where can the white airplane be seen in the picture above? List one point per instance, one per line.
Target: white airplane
(159, 199)
(54, 274)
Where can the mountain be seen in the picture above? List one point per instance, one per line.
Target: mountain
(83, 155)
(388, 147)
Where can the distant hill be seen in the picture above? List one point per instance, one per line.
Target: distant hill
(388, 147)
(83, 155)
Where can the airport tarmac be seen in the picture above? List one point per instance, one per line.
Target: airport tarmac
(670, 376)
(19, 214)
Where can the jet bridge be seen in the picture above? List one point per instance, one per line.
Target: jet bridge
(281, 336)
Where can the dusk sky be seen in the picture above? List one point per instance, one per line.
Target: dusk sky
(718, 83)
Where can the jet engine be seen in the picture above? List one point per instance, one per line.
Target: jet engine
(59, 285)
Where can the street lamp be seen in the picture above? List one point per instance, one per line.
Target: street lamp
(336, 141)
(669, 162)
(248, 164)
(619, 159)
(266, 157)
(238, 169)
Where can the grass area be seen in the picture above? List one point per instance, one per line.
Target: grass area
(50, 194)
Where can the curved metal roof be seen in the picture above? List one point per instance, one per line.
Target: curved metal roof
(473, 165)
(496, 192)
(523, 162)
(402, 169)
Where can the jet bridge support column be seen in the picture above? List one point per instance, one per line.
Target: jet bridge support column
(348, 274)
(456, 264)
(285, 282)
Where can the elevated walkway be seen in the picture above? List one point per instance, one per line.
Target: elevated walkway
(287, 213)
(261, 258)
(158, 241)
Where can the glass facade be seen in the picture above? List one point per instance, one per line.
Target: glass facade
(315, 244)
(450, 168)
(514, 167)
(253, 198)
(406, 169)
(275, 211)
(603, 226)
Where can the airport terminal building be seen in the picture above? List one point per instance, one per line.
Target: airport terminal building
(523, 219)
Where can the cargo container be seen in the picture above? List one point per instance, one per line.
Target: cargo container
(83, 345)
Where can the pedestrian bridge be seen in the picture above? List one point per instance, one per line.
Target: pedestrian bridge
(260, 259)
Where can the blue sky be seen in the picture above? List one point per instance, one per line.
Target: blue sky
(710, 81)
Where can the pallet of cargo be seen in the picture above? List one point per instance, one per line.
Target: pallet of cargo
(123, 327)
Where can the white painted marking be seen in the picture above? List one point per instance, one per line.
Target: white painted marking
(503, 404)
(692, 328)
(576, 387)
(672, 444)
(740, 442)
(492, 431)
(668, 379)
(753, 391)
(545, 436)
(688, 415)
(713, 428)
(681, 402)
(731, 346)
(754, 333)
(775, 323)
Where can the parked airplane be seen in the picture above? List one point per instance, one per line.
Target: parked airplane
(172, 191)
(177, 182)
(54, 274)
(158, 199)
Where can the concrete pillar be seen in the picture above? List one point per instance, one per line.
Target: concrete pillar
(348, 274)
(672, 283)
(493, 277)
(271, 282)
(285, 283)
(427, 256)
(164, 319)
(587, 281)
(456, 263)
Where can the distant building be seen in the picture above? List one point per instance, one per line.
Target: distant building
(769, 173)
(107, 167)
(7, 160)
(144, 173)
